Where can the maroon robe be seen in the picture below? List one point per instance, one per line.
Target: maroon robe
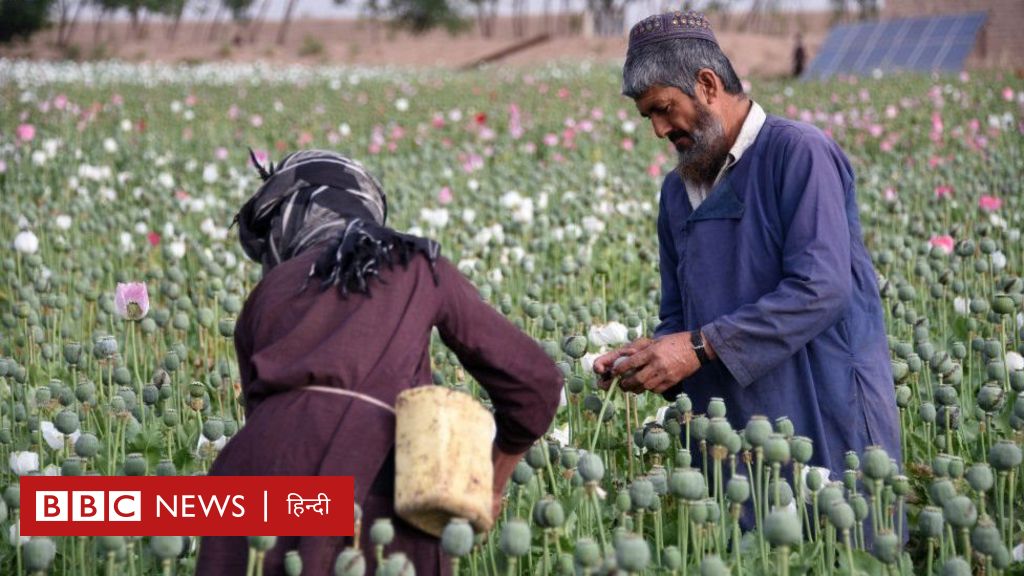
(287, 339)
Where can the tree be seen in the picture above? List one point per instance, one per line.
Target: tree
(420, 16)
(68, 12)
(22, 18)
(282, 32)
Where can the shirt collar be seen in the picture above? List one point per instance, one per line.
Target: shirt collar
(748, 133)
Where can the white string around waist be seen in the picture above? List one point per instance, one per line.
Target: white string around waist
(352, 394)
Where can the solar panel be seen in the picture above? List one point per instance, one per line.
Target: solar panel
(930, 44)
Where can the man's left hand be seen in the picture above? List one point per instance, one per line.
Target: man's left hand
(659, 366)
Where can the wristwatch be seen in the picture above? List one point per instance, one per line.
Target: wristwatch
(697, 341)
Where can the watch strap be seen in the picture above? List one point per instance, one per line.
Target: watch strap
(698, 347)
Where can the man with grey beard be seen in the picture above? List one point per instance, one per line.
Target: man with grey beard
(768, 298)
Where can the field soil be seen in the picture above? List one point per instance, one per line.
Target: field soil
(762, 49)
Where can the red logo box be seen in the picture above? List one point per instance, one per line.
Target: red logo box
(187, 505)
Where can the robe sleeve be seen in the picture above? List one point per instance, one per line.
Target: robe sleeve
(816, 279)
(522, 381)
(671, 308)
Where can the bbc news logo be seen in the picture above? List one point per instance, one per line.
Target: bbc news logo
(187, 505)
(88, 506)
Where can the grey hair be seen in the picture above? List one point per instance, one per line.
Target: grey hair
(676, 63)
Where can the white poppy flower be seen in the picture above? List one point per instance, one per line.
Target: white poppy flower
(1014, 361)
(26, 242)
(53, 437)
(14, 536)
(610, 334)
(22, 463)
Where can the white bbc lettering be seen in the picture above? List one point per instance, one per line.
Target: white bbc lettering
(88, 506)
(51, 506)
(124, 506)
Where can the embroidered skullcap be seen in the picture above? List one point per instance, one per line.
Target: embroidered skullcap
(670, 26)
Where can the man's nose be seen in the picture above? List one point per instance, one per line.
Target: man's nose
(661, 127)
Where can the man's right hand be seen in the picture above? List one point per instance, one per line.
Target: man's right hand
(603, 364)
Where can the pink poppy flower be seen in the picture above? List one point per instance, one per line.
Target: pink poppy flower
(890, 195)
(943, 191)
(944, 243)
(445, 195)
(1008, 94)
(551, 139)
(990, 203)
(627, 144)
(153, 238)
(131, 300)
(26, 132)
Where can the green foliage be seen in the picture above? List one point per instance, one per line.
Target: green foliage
(22, 18)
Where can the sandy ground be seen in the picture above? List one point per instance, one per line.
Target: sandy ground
(351, 42)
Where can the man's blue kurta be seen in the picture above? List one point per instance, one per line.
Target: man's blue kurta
(772, 268)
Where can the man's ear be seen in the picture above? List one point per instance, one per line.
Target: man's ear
(708, 87)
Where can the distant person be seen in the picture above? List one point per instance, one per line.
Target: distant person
(769, 299)
(320, 359)
(799, 56)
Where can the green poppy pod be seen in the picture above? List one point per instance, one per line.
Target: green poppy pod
(914, 363)
(587, 553)
(150, 394)
(716, 408)
(641, 492)
(213, 429)
(860, 507)
(714, 566)
(687, 483)
(831, 493)
(87, 445)
(575, 346)
(996, 370)
(985, 537)
(657, 440)
(632, 553)
(900, 370)
(515, 538)
(840, 514)
(165, 467)
(1003, 304)
(813, 479)
(941, 490)
(719, 430)
(784, 426)
(960, 512)
(904, 395)
(38, 553)
(1018, 404)
(956, 467)
(398, 564)
(170, 418)
(382, 532)
(851, 460)
(699, 427)
(927, 412)
(980, 477)
(887, 548)
(698, 511)
(66, 421)
(659, 479)
(1004, 455)
(293, 563)
(569, 457)
(166, 547)
(12, 496)
(683, 458)
(591, 467)
(737, 489)
(135, 465)
(931, 523)
(575, 384)
(71, 466)
(850, 481)
(955, 566)
(802, 449)
(776, 449)
(671, 558)
(734, 442)
(683, 404)
(350, 562)
(457, 538)
(757, 431)
(782, 528)
(900, 485)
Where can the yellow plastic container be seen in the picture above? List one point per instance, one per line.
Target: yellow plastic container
(443, 466)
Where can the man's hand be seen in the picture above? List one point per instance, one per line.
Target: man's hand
(603, 364)
(504, 465)
(658, 366)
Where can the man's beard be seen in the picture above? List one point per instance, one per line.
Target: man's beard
(701, 161)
